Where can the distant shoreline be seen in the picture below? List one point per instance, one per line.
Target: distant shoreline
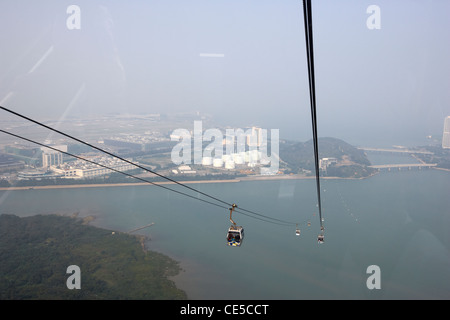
(100, 185)
(241, 179)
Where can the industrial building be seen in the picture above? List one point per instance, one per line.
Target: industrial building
(26, 154)
(85, 170)
(325, 162)
(9, 163)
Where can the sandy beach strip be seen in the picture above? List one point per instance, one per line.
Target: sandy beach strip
(240, 179)
(101, 185)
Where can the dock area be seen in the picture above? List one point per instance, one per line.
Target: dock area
(143, 227)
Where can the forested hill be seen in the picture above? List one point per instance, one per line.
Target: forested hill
(35, 252)
(351, 162)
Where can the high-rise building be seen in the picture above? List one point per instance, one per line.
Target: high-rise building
(255, 138)
(52, 157)
(446, 135)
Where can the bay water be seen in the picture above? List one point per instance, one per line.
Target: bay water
(398, 221)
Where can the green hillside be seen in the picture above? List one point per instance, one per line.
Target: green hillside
(36, 251)
(351, 162)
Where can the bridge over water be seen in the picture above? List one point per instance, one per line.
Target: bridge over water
(400, 166)
(401, 151)
(408, 166)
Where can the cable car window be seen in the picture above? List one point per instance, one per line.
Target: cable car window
(161, 121)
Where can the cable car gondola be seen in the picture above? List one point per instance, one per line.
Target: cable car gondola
(297, 231)
(235, 236)
(320, 238)
(235, 233)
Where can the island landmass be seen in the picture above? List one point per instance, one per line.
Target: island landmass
(36, 251)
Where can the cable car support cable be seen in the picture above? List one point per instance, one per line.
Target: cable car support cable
(310, 58)
(312, 94)
(113, 155)
(245, 212)
(112, 169)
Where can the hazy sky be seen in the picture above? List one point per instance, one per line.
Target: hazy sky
(390, 84)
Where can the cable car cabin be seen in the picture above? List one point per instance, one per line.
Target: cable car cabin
(235, 236)
(297, 232)
(320, 238)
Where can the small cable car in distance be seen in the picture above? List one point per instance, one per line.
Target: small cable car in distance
(297, 230)
(320, 238)
(235, 233)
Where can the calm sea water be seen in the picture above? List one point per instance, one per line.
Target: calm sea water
(398, 221)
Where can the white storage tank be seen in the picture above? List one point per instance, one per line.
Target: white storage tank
(207, 161)
(254, 156)
(244, 156)
(229, 164)
(217, 163)
(238, 159)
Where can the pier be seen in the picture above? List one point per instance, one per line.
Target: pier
(146, 226)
